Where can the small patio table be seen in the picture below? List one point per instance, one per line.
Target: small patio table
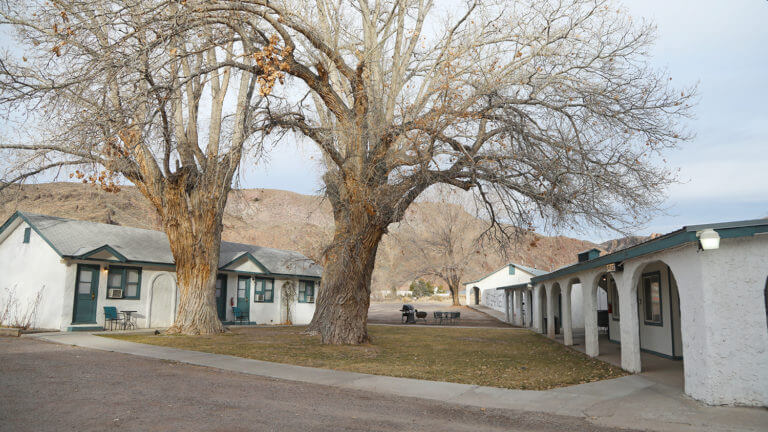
(128, 321)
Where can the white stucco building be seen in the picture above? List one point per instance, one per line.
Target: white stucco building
(485, 291)
(78, 267)
(698, 295)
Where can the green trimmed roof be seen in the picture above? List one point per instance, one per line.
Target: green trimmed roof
(81, 239)
(686, 234)
(530, 270)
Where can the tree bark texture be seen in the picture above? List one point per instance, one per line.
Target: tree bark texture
(194, 235)
(341, 313)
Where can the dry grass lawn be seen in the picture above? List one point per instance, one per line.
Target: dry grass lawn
(508, 358)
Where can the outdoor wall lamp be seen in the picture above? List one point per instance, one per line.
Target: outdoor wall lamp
(708, 239)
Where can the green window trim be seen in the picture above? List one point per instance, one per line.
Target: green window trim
(306, 291)
(511, 269)
(27, 234)
(264, 290)
(124, 284)
(647, 283)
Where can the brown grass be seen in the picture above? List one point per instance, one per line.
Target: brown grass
(515, 359)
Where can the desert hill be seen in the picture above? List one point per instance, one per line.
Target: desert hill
(280, 219)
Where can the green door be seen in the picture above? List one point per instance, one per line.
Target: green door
(221, 296)
(243, 293)
(86, 290)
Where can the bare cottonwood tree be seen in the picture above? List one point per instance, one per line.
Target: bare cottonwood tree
(144, 91)
(547, 109)
(445, 242)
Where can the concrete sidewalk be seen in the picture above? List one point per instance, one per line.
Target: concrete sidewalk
(631, 401)
(490, 312)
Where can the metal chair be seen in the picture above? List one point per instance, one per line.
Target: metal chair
(111, 316)
(438, 317)
(240, 316)
(455, 316)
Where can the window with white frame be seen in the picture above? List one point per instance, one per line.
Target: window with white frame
(306, 291)
(615, 312)
(123, 283)
(652, 298)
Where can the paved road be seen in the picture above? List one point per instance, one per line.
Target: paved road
(45, 386)
(389, 313)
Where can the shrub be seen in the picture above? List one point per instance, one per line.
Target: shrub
(422, 288)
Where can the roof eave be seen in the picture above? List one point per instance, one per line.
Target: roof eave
(675, 238)
(20, 214)
(250, 257)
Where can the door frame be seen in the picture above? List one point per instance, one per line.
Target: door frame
(94, 295)
(247, 294)
(221, 302)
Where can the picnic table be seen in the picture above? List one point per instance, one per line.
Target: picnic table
(448, 317)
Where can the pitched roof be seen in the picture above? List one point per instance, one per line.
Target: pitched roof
(529, 270)
(686, 234)
(78, 239)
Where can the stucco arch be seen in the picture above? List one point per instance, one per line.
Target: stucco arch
(540, 297)
(590, 285)
(554, 293)
(672, 301)
(157, 315)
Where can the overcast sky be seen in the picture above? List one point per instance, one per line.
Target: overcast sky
(721, 45)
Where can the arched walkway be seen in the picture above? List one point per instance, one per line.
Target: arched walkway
(596, 311)
(650, 320)
(554, 310)
(541, 309)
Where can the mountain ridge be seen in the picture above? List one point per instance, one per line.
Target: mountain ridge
(288, 220)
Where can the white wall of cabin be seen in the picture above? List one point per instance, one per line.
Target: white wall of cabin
(489, 295)
(25, 270)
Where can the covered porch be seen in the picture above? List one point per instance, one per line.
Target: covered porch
(664, 371)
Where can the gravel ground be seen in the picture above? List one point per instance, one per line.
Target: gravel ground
(45, 386)
(389, 313)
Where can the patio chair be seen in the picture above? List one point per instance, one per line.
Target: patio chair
(455, 316)
(438, 317)
(240, 316)
(111, 316)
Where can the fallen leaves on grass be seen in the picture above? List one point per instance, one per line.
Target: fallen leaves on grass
(505, 358)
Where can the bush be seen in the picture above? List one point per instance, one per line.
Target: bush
(422, 288)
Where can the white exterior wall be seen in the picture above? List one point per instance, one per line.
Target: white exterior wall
(489, 295)
(723, 328)
(577, 307)
(274, 312)
(142, 305)
(26, 269)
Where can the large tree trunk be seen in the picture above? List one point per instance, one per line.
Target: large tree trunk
(194, 234)
(341, 313)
